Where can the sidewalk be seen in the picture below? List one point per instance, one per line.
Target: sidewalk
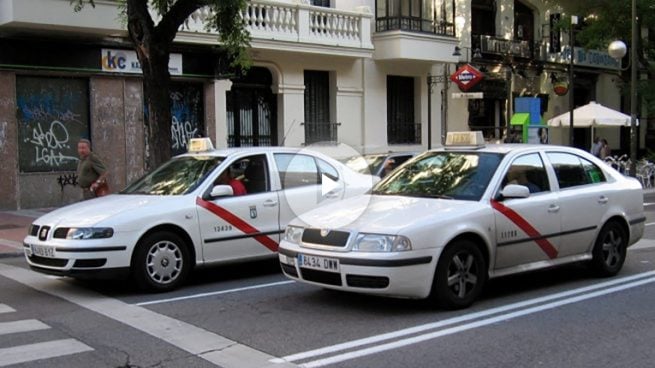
(13, 228)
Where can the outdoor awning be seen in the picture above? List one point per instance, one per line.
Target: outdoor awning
(521, 118)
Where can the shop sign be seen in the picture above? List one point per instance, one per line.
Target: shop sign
(466, 77)
(126, 61)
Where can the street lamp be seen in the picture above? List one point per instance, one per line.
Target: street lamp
(618, 50)
(574, 21)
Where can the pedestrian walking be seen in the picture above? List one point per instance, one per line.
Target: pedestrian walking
(91, 172)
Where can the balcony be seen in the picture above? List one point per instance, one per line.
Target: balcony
(294, 27)
(273, 25)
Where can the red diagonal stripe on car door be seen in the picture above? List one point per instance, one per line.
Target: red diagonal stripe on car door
(513, 216)
(237, 222)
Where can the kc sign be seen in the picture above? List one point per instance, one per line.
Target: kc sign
(466, 77)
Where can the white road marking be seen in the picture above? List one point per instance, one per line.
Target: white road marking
(485, 322)
(650, 224)
(12, 244)
(195, 340)
(202, 295)
(22, 326)
(649, 204)
(464, 318)
(4, 308)
(42, 350)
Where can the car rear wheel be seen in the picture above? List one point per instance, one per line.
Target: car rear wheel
(460, 275)
(610, 249)
(161, 262)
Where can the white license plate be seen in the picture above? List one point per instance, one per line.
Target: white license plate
(43, 251)
(318, 263)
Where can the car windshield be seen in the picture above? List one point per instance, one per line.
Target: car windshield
(451, 175)
(367, 164)
(180, 175)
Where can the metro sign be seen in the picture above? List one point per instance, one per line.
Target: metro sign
(466, 77)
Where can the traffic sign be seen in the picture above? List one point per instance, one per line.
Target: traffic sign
(466, 77)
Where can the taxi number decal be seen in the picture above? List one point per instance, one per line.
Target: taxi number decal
(513, 216)
(237, 222)
(221, 228)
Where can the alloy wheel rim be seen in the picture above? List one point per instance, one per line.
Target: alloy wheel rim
(462, 274)
(612, 248)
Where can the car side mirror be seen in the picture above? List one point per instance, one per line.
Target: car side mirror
(221, 191)
(515, 191)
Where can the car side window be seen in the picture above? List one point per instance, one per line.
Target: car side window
(327, 170)
(296, 170)
(572, 170)
(528, 170)
(247, 175)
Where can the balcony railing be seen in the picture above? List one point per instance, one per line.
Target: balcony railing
(277, 21)
(414, 24)
(403, 133)
(503, 47)
(316, 132)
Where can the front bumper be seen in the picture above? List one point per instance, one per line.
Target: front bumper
(100, 258)
(406, 274)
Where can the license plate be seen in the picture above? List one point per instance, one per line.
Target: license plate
(318, 263)
(43, 251)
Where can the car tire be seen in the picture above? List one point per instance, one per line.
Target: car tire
(161, 262)
(610, 249)
(460, 275)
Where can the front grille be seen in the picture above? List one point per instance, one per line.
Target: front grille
(60, 233)
(334, 238)
(90, 263)
(52, 262)
(289, 270)
(369, 282)
(34, 230)
(328, 278)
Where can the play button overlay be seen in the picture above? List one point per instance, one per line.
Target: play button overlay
(328, 185)
(311, 182)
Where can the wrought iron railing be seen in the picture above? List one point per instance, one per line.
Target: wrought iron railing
(320, 132)
(403, 133)
(414, 24)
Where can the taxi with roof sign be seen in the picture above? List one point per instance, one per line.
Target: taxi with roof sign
(187, 214)
(446, 221)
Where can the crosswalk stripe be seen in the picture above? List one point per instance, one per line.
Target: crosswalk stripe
(4, 308)
(42, 350)
(22, 326)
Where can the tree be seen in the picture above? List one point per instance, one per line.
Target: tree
(607, 20)
(153, 42)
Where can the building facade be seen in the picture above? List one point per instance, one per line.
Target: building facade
(371, 74)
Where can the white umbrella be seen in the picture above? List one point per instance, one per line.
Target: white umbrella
(592, 115)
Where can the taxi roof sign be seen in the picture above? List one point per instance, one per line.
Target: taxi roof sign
(465, 139)
(200, 145)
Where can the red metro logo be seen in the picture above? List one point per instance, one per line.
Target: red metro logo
(466, 77)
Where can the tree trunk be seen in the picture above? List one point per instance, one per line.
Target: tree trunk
(153, 52)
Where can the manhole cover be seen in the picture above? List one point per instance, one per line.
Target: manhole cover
(9, 226)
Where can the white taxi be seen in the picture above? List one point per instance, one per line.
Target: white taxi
(186, 214)
(449, 219)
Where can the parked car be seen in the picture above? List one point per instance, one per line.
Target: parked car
(184, 215)
(379, 164)
(453, 217)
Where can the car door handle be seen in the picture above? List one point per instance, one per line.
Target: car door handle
(270, 203)
(603, 199)
(553, 208)
(333, 194)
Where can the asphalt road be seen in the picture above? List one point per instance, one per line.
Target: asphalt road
(249, 315)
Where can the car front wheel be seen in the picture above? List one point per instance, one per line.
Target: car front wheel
(161, 262)
(460, 275)
(610, 249)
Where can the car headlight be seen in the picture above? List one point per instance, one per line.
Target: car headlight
(381, 243)
(89, 233)
(293, 234)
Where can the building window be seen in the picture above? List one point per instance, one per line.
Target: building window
(401, 127)
(483, 17)
(323, 3)
(318, 126)
(429, 16)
